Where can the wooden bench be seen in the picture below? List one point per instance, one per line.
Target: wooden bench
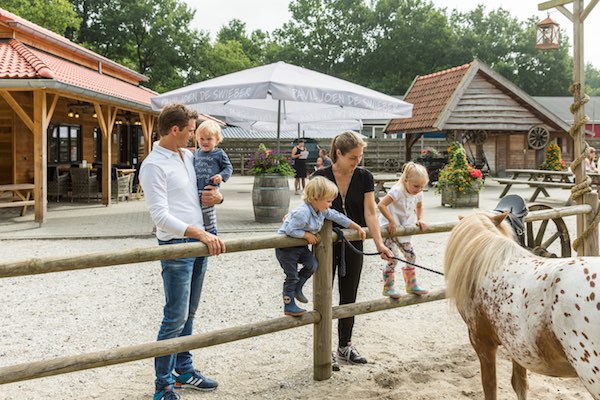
(21, 191)
(540, 186)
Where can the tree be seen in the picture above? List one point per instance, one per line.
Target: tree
(253, 46)
(508, 46)
(329, 36)
(592, 80)
(410, 38)
(55, 15)
(152, 37)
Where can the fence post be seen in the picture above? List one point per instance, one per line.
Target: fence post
(322, 283)
(590, 243)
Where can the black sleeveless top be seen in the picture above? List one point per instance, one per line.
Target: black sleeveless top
(354, 204)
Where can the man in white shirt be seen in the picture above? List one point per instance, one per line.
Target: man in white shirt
(169, 181)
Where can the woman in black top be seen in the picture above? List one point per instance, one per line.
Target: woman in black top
(299, 155)
(356, 199)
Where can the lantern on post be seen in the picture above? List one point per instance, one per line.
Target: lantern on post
(548, 35)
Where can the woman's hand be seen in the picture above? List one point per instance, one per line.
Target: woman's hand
(385, 253)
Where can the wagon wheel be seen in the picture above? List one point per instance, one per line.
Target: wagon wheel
(538, 137)
(391, 165)
(542, 236)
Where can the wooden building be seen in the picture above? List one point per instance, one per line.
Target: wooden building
(471, 103)
(61, 104)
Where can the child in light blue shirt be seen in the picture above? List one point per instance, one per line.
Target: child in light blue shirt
(212, 167)
(305, 222)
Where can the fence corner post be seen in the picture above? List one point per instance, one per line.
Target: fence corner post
(322, 297)
(590, 243)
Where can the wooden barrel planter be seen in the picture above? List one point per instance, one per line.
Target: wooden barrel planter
(270, 198)
(455, 198)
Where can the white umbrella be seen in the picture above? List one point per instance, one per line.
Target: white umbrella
(279, 91)
(324, 126)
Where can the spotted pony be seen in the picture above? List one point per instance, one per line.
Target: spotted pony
(544, 311)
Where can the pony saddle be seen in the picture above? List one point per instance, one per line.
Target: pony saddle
(517, 210)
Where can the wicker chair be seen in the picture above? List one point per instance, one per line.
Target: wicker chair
(58, 185)
(121, 187)
(83, 184)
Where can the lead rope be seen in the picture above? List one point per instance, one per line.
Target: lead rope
(345, 242)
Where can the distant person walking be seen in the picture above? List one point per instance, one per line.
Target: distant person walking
(299, 155)
(169, 181)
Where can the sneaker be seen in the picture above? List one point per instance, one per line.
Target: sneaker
(334, 362)
(195, 380)
(351, 355)
(166, 394)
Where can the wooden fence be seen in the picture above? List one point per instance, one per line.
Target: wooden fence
(321, 317)
(379, 155)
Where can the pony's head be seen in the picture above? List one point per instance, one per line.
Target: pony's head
(478, 244)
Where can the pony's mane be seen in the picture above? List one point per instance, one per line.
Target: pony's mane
(477, 246)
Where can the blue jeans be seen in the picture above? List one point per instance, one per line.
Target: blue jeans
(289, 258)
(182, 281)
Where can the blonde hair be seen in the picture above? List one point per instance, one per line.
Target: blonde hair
(211, 128)
(413, 171)
(319, 188)
(345, 142)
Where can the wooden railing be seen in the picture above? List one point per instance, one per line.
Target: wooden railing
(321, 317)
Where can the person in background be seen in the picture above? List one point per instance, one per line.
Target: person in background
(305, 222)
(212, 167)
(356, 199)
(590, 161)
(169, 181)
(403, 206)
(326, 159)
(299, 155)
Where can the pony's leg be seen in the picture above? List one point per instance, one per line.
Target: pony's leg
(486, 352)
(519, 381)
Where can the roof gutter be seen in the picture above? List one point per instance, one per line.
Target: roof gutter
(77, 49)
(52, 84)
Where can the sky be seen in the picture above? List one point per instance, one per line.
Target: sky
(268, 15)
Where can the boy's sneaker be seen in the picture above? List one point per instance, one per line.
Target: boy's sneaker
(351, 355)
(194, 380)
(334, 362)
(166, 394)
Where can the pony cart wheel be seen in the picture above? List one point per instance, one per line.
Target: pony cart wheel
(548, 237)
(391, 165)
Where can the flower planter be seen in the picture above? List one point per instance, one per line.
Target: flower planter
(455, 198)
(270, 197)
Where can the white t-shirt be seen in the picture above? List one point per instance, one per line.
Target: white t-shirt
(403, 208)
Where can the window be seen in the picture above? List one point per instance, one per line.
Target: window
(64, 143)
(97, 144)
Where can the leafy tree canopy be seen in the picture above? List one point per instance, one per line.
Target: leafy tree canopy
(55, 15)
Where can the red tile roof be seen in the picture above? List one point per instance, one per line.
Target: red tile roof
(18, 61)
(429, 94)
(44, 35)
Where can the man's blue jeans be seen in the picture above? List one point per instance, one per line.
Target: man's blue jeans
(182, 281)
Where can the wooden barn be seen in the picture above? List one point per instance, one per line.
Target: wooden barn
(498, 123)
(64, 106)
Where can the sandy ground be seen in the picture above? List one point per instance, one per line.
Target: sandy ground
(419, 352)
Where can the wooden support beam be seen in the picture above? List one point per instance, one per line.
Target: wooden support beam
(106, 115)
(52, 108)
(588, 9)
(17, 109)
(40, 155)
(553, 3)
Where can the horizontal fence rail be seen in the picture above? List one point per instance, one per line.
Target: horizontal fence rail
(34, 266)
(320, 317)
(62, 365)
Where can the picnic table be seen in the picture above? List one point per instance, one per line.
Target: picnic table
(540, 180)
(22, 191)
(380, 181)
